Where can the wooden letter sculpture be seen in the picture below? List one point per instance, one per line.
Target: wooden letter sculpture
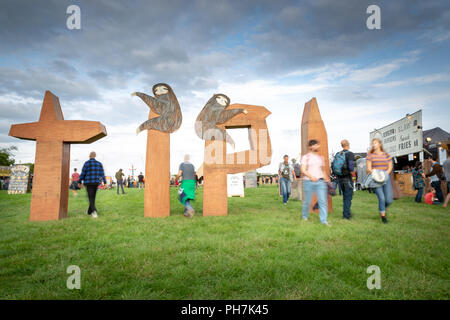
(213, 120)
(314, 128)
(164, 118)
(53, 137)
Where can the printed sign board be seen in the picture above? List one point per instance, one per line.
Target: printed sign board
(235, 185)
(5, 171)
(20, 179)
(403, 136)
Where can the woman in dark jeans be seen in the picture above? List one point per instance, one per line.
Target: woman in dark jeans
(419, 181)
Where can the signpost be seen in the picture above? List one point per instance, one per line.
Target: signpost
(20, 179)
(235, 187)
(403, 136)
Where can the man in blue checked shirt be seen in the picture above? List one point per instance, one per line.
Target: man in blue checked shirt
(91, 176)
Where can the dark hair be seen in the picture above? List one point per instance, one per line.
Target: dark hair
(285, 156)
(75, 169)
(312, 142)
(418, 165)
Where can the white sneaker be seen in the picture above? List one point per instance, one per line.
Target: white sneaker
(327, 224)
(305, 219)
(94, 214)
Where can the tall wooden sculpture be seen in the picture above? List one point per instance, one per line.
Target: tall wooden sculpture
(314, 128)
(53, 137)
(211, 125)
(164, 118)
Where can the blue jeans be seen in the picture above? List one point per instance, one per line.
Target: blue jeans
(285, 186)
(385, 195)
(347, 188)
(120, 184)
(321, 190)
(187, 205)
(339, 186)
(419, 195)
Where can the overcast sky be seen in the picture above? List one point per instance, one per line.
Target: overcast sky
(278, 54)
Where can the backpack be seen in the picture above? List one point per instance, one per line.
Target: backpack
(339, 165)
(297, 169)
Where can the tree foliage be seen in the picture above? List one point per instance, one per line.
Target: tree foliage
(7, 156)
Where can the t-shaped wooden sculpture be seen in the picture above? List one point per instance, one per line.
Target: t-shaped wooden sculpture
(53, 137)
(314, 128)
(218, 163)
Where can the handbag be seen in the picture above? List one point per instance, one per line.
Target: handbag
(332, 188)
(370, 183)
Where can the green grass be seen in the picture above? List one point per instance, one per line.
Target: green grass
(261, 250)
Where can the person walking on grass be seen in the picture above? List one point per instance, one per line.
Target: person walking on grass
(141, 181)
(91, 176)
(418, 181)
(287, 175)
(435, 176)
(381, 161)
(314, 181)
(343, 166)
(74, 186)
(119, 179)
(446, 167)
(186, 193)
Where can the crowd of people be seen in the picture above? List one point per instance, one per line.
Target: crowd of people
(311, 169)
(92, 177)
(437, 174)
(4, 183)
(379, 166)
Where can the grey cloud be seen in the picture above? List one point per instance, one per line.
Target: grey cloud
(33, 82)
(190, 44)
(19, 112)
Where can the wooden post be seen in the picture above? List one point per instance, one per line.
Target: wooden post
(157, 173)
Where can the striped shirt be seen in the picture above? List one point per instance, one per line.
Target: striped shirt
(379, 161)
(92, 172)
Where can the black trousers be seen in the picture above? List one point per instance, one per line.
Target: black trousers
(437, 186)
(91, 189)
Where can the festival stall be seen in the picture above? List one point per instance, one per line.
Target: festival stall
(405, 141)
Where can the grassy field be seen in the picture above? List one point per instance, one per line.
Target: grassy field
(261, 250)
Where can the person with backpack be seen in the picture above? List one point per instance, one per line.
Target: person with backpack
(343, 166)
(296, 167)
(287, 175)
(436, 175)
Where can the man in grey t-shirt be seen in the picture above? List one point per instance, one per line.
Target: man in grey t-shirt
(446, 167)
(188, 184)
(287, 175)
